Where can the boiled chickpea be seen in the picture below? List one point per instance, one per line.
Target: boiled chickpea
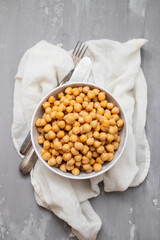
(60, 95)
(99, 160)
(70, 133)
(94, 124)
(41, 139)
(78, 146)
(104, 156)
(47, 117)
(86, 166)
(57, 145)
(46, 104)
(101, 96)
(42, 122)
(55, 152)
(73, 138)
(112, 122)
(110, 148)
(89, 107)
(90, 94)
(90, 170)
(115, 116)
(60, 115)
(95, 154)
(102, 136)
(115, 110)
(51, 135)
(63, 167)
(89, 134)
(68, 127)
(118, 139)
(69, 167)
(77, 164)
(82, 95)
(96, 91)
(70, 119)
(84, 104)
(66, 156)
(79, 99)
(97, 105)
(40, 130)
(66, 148)
(97, 167)
(54, 108)
(107, 115)
(83, 138)
(56, 103)
(87, 118)
(46, 156)
(90, 141)
(52, 161)
(68, 90)
(100, 149)
(100, 111)
(120, 123)
(61, 124)
(69, 109)
(104, 103)
(89, 154)
(53, 115)
(115, 145)
(74, 151)
(85, 150)
(77, 107)
(72, 102)
(55, 128)
(115, 129)
(106, 123)
(92, 161)
(43, 151)
(92, 149)
(47, 128)
(97, 128)
(59, 159)
(110, 105)
(78, 157)
(110, 137)
(86, 128)
(71, 162)
(60, 134)
(71, 144)
(96, 134)
(96, 144)
(93, 114)
(75, 171)
(75, 91)
(86, 89)
(66, 101)
(51, 99)
(85, 160)
(76, 124)
(110, 156)
(111, 130)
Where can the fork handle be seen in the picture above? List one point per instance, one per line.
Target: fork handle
(28, 162)
(26, 144)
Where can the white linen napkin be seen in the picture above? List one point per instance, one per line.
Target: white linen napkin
(116, 67)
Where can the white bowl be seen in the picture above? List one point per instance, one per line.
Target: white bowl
(107, 165)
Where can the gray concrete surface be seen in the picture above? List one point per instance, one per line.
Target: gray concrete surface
(131, 215)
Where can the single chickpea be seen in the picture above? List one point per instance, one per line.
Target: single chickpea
(83, 138)
(107, 115)
(90, 94)
(41, 139)
(89, 154)
(115, 136)
(106, 123)
(111, 130)
(95, 154)
(45, 105)
(69, 109)
(96, 134)
(40, 130)
(101, 96)
(120, 123)
(76, 130)
(59, 159)
(66, 101)
(90, 141)
(100, 149)
(96, 91)
(53, 115)
(110, 157)
(91, 161)
(67, 156)
(79, 99)
(52, 161)
(110, 148)
(74, 151)
(57, 103)
(85, 160)
(78, 146)
(101, 119)
(77, 107)
(97, 129)
(83, 113)
(115, 110)
(71, 162)
(103, 129)
(112, 122)
(72, 102)
(54, 108)
(104, 156)
(104, 103)
(99, 160)
(116, 117)
(75, 91)
(51, 99)
(69, 167)
(61, 108)
(96, 144)
(102, 136)
(86, 128)
(92, 149)
(116, 129)
(86, 89)
(95, 99)
(118, 139)
(115, 145)
(70, 119)
(68, 90)
(110, 137)
(46, 156)
(60, 95)
(90, 170)
(89, 107)
(87, 118)
(55, 128)
(97, 167)
(76, 124)
(60, 134)
(75, 171)
(86, 166)
(63, 167)
(65, 139)
(71, 144)
(93, 114)
(57, 145)
(86, 99)
(73, 138)
(110, 105)
(100, 111)
(55, 152)
(47, 117)
(70, 132)
(60, 115)
(89, 134)
(85, 150)
(78, 157)
(81, 120)
(84, 104)
(51, 135)
(97, 105)
(66, 148)
(68, 127)
(80, 89)
(61, 124)
(47, 128)
(78, 164)
(43, 151)
(82, 95)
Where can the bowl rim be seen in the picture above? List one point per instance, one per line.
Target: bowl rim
(63, 174)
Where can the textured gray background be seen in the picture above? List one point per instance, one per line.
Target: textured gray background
(131, 215)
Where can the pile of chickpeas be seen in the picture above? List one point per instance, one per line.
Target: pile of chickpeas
(79, 130)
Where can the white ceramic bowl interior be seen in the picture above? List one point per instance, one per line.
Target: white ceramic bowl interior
(39, 112)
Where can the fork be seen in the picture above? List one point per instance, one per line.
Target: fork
(30, 157)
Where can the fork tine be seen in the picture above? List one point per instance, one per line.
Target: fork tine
(75, 48)
(76, 53)
(84, 52)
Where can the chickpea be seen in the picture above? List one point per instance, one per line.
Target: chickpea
(99, 160)
(118, 139)
(60, 115)
(66, 156)
(71, 144)
(96, 91)
(97, 167)
(70, 119)
(83, 138)
(94, 124)
(68, 90)
(107, 115)
(120, 123)
(115, 110)
(55, 128)
(81, 120)
(55, 152)
(75, 171)
(57, 145)
(115, 145)
(47, 128)
(77, 164)
(112, 122)
(71, 162)
(89, 134)
(102, 136)
(70, 133)
(72, 102)
(63, 167)
(101, 96)
(61, 124)
(59, 159)
(84, 104)
(97, 105)
(78, 145)
(97, 128)
(69, 167)
(104, 156)
(116, 117)
(86, 167)
(82, 95)
(89, 154)
(48, 110)
(100, 111)
(96, 134)
(53, 115)
(79, 99)
(86, 128)
(41, 139)
(90, 94)
(69, 109)
(74, 151)
(45, 105)
(96, 144)
(115, 129)
(85, 160)
(77, 124)
(60, 95)
(65, 148)
(110, 148)
(73, 138)
(40, 130)
(93, 115)
(78, 157)
(52, 161)
(66, 101)
(90, 141)
(43, 151)
(100, 149)
(54, 108)
(110, 105)
(75, 91)
(92, 161)
(47, 117)
(42, 122)
(104, 103)
(103, 129)
(68, 127)
(85, 150)
(115, 136)
(89, 107)
(106, 123)
(60, 134)
(95, 154)
(46, 156)
(77, 107)
(92, 149)
(110, 137)
(87, 118)
(110, 157)
(111, 130)
(86, 89)
(51, 99)
(51, 135)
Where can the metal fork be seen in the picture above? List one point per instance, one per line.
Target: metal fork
(30, 157)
